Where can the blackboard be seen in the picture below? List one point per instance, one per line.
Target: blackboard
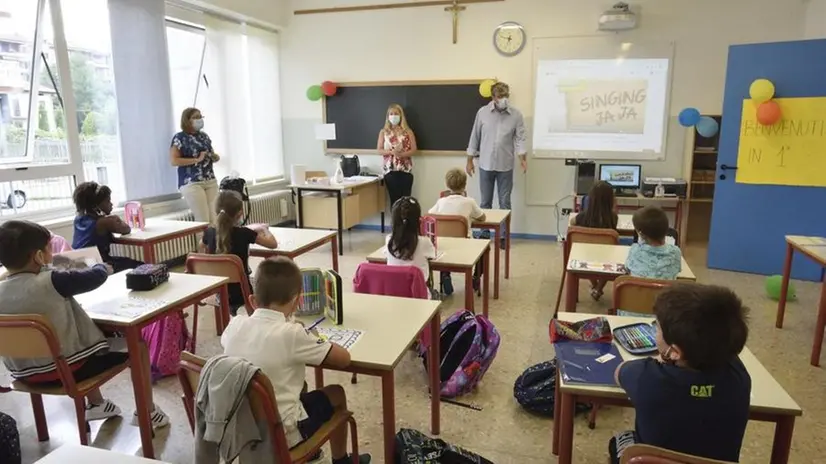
(441, 115)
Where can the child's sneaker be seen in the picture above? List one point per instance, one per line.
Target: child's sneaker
(157, 417)
(447, 283)
(102, 411)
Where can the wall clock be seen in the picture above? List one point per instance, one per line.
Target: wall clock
(509, 38)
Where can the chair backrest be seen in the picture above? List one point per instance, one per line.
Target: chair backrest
(637, 294)
(260, 394)
(381, 279)
(448, 225)
(578, 234)
(647, 454)
(59, 244)
(229, 266)
(427, 228)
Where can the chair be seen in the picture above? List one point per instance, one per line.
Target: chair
(448, 225)
(647, 454)
(264, 407)
(229, 266)
(32, 336)
(582, 235)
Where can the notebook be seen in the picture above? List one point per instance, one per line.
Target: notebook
(587, 363)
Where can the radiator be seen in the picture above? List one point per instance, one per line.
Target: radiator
(266, 208)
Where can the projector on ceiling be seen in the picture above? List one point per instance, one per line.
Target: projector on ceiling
(618, 18)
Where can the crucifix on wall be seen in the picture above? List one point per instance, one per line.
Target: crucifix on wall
(454, 7)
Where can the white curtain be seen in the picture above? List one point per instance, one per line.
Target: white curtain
(265, 86)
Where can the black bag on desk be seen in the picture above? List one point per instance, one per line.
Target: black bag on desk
(350, 165)
(414, 447)
(146, 277)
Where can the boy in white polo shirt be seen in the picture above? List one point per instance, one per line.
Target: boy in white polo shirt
(282, 348)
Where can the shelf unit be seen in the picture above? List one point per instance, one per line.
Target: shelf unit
(702, 177)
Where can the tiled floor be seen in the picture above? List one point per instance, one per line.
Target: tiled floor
(501, 431)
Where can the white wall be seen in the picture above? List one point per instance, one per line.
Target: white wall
(415, 44)
(815, 24)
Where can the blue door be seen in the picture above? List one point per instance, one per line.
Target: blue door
(749, 222)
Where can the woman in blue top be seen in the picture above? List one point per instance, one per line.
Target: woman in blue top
(191, 151)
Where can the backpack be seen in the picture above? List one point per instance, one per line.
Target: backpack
(468, 345)
(238, 184)
(414, 447)
(350, 165)
(165, 339)
(534, 389)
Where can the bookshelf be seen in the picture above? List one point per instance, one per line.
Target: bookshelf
(702, 178)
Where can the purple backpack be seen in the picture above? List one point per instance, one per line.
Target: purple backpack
(467, 344)
(165, 339)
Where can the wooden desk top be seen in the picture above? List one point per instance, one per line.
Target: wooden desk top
(592, 252)
(291, 240)
(493, 217)
(766, 394)
(450, 251)
(349, 182)
(158, 229)
(114, 304)
(644, 199)
(75, 454)
(390, 326)
(813, 247)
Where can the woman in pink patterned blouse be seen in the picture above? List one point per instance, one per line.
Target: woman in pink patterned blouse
(396, 144)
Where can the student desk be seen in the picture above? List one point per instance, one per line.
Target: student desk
(357, 199)
(596, 253)
(496, 220)
(814, 248)
(74, 454)
(625, 224)
(673, 204)
(457, 255)
(158, 231)
(293, 243)
(390, 325)
(115, 308)
(769, 401)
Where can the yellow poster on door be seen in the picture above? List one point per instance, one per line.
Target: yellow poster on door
(791, 152)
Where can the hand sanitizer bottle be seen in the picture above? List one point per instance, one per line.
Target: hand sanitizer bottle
(339, 177)
(659, 190)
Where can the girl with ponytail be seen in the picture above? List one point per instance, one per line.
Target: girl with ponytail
(404, 245)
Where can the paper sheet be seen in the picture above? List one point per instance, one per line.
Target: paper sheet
(344, 338)
(132, 308)
(325, 131)
(592, 266)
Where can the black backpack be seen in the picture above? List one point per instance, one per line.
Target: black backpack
(414, 447)
(350, 165)
(238, 184)
(534, 389)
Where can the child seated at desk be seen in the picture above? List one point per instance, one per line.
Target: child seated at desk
(228, 237)
(652, 257)
(404, 245)
(598, 213)
(282, 348)
(33, 288)
(695, 399)
(94, 224)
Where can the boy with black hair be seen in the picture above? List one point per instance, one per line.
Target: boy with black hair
(273, 341)
(695, 399)
(652, 257)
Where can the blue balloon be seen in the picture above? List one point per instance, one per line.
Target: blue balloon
(707, 127)
(689, 117)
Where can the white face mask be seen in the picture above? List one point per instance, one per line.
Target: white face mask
(502, 103)
(197, 124)
(394, 119)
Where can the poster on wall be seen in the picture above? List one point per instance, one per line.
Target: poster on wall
(790, 152)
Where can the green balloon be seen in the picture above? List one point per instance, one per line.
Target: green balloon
(314, 93)
(773, 285)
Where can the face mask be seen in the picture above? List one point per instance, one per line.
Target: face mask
(395, 119)
(197, 124)
(502, 103)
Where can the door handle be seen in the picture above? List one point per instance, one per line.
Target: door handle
(726, 167)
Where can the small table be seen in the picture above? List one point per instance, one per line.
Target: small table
(769, 401)
(158, 231)
(625, 224)
(295, 242)
(390, 326)
(74, 454)
(496, 220)
(597, 253)
(674, 204)
(113, 308)
(814, 248)
(457, 255)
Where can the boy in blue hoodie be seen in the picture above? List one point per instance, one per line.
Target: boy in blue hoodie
(652, 257)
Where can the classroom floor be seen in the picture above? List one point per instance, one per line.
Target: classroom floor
(501, 432)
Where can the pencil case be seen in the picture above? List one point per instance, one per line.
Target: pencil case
(146, 277)
(637, 339)
(321, 294)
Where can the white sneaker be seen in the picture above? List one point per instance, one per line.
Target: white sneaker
(101, 411)
(157, 417)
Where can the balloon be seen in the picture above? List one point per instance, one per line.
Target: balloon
(707, 127)
(485, 86)
(761, 90)
(329, 88)
(314, 93)
(689, 117)
(768, 113)
(773, 284)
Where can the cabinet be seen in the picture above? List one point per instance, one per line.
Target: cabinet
(702, 177)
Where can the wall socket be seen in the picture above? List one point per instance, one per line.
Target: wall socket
(567, 211)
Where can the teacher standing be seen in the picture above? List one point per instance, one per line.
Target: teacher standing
(191, 152)
(498, 136)
(396, 144)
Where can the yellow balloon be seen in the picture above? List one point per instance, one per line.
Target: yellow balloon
(761, 90)
(485, 87)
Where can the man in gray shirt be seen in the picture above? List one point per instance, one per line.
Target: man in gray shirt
(498, 135)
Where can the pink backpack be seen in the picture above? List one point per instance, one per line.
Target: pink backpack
(166, 339)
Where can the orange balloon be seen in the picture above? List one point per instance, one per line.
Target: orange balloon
(768, 113)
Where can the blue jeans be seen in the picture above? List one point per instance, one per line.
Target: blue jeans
(504, 185)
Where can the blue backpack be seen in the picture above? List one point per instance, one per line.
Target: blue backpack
(534, 389)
